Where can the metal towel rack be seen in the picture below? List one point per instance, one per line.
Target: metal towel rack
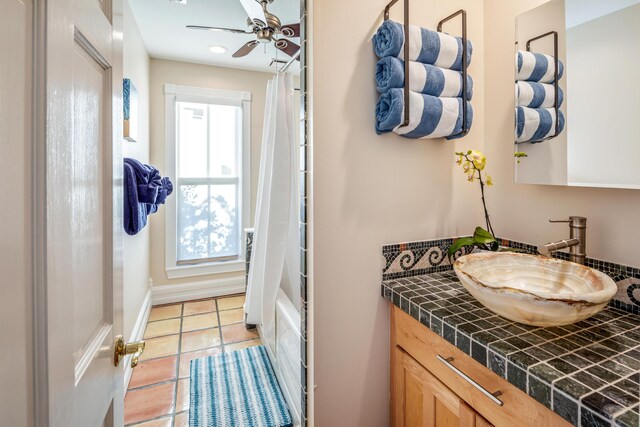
(463, 14)
(556, 72)
(407, 113)
(465, 64)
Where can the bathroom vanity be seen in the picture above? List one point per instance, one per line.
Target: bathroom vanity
(455, 363)
(427, 392)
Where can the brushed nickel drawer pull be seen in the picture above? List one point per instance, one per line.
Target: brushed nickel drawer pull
(492, 396)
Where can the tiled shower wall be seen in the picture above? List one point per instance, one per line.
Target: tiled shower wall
(304, 154)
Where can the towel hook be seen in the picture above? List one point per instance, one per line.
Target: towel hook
(407, 113)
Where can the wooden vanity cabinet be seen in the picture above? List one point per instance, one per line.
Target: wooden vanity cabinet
(420, 399)
(425, 392)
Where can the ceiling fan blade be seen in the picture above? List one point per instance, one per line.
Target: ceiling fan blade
(254, 10)
(288, 47)
(230, 30)
(290, 30)
(246, 49)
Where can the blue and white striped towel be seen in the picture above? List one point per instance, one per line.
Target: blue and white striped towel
(535, 124)
(426, 46)
(536, 67)
(537, 95)
(430, 116)
(236, 389)
(425, 78)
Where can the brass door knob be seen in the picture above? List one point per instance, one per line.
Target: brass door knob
(122, 349)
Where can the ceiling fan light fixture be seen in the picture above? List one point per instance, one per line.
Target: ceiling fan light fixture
(217, 49)
(264, 26)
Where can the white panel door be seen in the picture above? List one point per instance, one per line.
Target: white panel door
(83, 281)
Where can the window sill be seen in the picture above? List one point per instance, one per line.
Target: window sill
(182, 271)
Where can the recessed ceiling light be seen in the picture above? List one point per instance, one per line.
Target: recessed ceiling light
(217, 49)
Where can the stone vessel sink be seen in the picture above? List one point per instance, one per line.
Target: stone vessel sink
(532, 289)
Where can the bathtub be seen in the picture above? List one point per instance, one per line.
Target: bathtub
(283, 340)
(283, 347)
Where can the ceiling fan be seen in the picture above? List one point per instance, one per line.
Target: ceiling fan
(265, 26)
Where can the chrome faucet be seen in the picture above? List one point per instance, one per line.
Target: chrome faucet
(577, 242)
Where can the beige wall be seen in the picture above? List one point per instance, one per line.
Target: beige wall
(521, 211)
(183, 73)
(371, 190)
(136, 248)
(15, 219)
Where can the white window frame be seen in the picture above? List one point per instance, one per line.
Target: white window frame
(174, 93)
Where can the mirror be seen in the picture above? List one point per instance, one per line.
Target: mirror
(598, 138)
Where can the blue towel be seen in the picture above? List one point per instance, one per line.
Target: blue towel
(425, 78)
(536, 67)
(537, 95)
(535, 124)
(431, 117)
(166, 188)
(144, 190)
(426, 46)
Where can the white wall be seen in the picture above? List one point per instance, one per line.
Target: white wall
(206, 76)
(16, 403)
(136, 248)
(603, 140)
(521, 211)
(370, 190)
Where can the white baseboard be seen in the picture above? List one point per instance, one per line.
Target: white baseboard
(137, 334)
(166, 294)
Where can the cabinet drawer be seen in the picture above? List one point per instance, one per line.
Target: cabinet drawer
(518, 409)
(420, 399)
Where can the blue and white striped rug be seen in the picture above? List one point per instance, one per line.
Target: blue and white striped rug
(236, 389)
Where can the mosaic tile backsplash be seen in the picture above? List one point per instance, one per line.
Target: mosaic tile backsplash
(418, 258)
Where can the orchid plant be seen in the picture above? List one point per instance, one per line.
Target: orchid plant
(473, 163)
(519, 155)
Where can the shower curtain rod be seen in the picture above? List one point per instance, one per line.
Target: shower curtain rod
(291, 61)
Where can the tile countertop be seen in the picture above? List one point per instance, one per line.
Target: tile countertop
(587, 372)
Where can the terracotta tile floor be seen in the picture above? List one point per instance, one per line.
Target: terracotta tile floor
(158, 394)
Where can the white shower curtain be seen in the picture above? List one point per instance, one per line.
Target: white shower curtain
(276, 237)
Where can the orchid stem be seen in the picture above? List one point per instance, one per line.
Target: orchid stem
(484, 203)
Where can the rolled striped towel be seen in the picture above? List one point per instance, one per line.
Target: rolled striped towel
(425, 78)
(535, 124)
(536, 67)
(537, 95)
(430, 116)
(426, 46)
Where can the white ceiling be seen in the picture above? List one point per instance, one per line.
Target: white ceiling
(578, 12)
(162, 24)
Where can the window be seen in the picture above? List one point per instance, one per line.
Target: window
(207, 137)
